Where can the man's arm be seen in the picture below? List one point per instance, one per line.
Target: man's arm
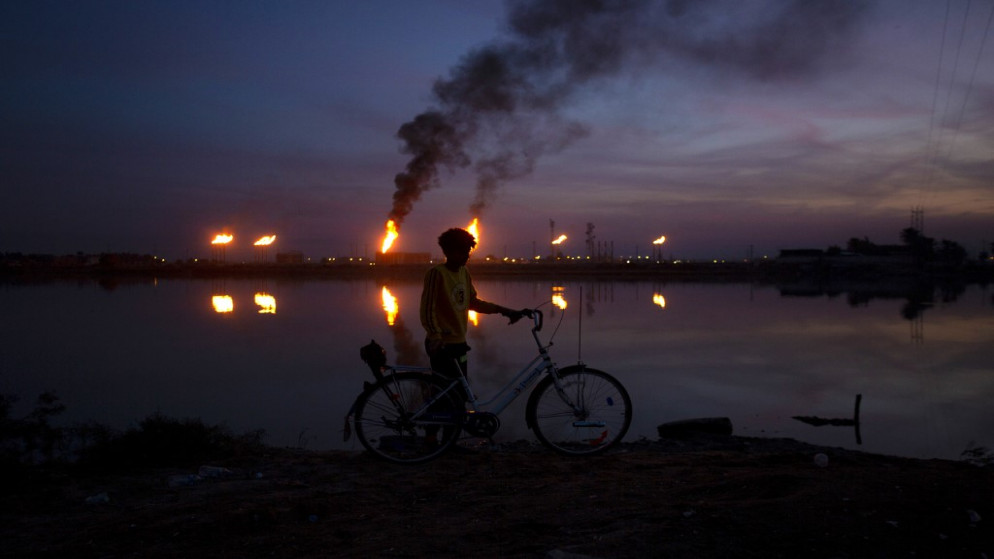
(486, 307)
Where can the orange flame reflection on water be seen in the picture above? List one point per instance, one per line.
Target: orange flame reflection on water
(659, 300)
(390, 306)
(266, 303)
(223, 303)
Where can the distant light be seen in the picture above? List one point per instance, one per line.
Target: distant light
(223, 303)
(266, 303)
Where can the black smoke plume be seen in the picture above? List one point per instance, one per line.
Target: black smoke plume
(409, 351)
(499, 108)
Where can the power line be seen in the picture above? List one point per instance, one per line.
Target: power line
(935, 102)
(973, 76)
(934, 145)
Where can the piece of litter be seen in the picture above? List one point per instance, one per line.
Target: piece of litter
(101, 499)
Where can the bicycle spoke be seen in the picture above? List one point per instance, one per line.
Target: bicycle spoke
(388, 422)
(591, 414)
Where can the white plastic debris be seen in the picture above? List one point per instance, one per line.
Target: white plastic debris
(213, 471)
(101, 499)
(183, 480)
(821, 460)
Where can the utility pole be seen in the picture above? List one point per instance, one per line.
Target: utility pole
(918, 219)
(590, 239)
(552, 237)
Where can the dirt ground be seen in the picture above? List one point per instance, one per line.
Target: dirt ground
(706, 497)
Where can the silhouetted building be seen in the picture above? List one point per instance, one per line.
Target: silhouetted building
(801, 255)
(291, 257)
(390, 258)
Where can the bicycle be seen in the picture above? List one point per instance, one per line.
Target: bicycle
(411, 415)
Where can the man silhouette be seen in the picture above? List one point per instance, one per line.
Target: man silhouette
(446, 300)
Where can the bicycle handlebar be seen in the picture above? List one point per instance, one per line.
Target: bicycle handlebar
(536, 316)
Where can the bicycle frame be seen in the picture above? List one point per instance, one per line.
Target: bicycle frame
(510, 391)
(507, 394)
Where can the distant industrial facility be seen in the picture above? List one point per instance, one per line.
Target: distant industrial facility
(394, 258)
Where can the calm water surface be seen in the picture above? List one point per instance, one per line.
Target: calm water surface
(283, 355)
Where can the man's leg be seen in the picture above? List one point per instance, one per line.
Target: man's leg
(449, 363)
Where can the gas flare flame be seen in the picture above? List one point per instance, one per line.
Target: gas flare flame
(265, 241)
(390, 306)
(560, 240)
(660, 240)
(222, 239)
(474, 318)
(390, 237)
(474, 230)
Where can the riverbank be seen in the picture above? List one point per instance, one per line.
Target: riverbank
(779, 271)
(710, 496)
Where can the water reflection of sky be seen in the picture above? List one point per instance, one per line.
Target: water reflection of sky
(283, 355)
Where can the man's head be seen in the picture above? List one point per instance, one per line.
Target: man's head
(456, 245)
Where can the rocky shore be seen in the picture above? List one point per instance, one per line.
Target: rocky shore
(707, 496)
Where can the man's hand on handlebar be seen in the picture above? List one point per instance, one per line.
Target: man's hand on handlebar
(515, 316)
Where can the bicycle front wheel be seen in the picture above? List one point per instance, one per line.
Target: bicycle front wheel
(591, 414)
(394, 421)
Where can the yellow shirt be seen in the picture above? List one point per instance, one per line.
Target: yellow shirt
(445, 301)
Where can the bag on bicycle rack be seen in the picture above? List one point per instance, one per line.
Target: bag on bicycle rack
(375, 357)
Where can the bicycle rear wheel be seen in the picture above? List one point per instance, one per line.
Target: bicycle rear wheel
(591, 415)
(386, 425)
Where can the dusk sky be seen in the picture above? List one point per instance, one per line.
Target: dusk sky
(726, 125)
